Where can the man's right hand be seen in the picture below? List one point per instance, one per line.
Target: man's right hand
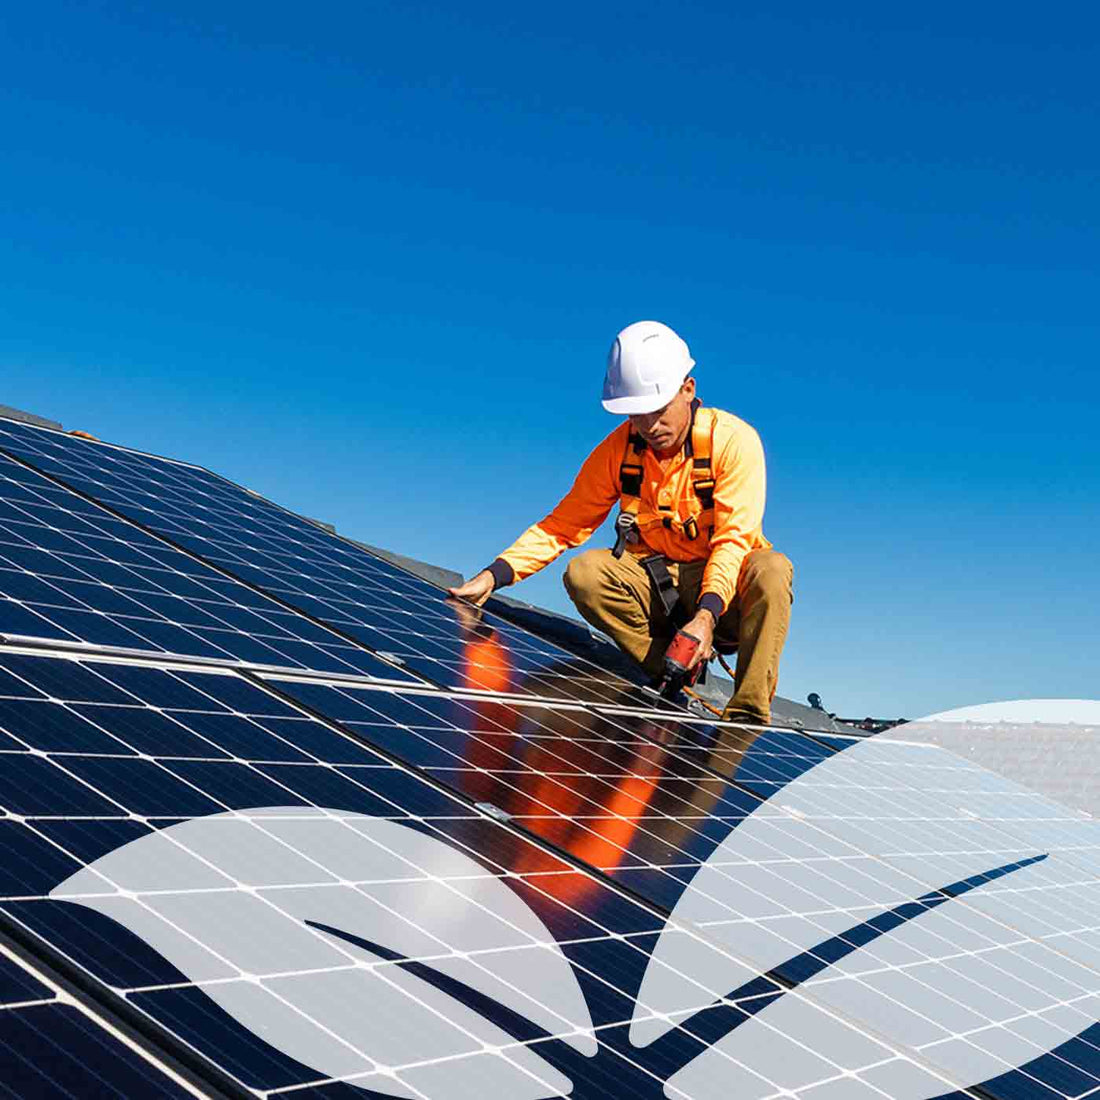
(477, 589)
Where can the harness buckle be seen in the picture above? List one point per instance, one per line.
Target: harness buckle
(626, 533)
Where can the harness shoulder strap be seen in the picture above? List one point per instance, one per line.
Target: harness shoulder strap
(702, 476)
(630, 472)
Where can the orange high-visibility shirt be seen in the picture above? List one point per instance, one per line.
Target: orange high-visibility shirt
(737, 465)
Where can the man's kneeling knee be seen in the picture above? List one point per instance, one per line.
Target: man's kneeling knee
(583, 577)
(771, 577)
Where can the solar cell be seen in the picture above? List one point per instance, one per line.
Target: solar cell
(71, 572)
(329, 578)
(18, 986)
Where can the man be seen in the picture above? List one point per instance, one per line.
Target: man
(693, 479)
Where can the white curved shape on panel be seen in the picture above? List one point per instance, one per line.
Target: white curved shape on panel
(228, 897)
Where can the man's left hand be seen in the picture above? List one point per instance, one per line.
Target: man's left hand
(702, 627)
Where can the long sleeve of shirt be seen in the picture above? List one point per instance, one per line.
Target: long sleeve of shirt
(739, 493)
(586, 505)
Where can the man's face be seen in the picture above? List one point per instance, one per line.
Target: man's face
(667, 428)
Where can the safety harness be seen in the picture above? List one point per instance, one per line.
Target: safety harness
(633, 522)
(702, 480)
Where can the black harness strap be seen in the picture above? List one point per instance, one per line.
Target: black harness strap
(631, 478)
(630, 472)
(663, 587)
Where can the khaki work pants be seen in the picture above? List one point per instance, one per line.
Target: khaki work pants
(616, 596)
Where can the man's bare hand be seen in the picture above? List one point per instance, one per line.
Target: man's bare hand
(702, 627)
(477, 589)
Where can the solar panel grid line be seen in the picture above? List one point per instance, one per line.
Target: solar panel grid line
(154, 760)
(321, 545)
(807, 914)
(841, 1075)
(35, 988)
(577, 709)
(1010, 845)
(825, 908)
(692, 721)
(88, 713)
(352, 962)
(965, 793)
(1076, 961)
(1063, 1063)
(507, 822)
(120, 447)
(522, 702)
(705, 770)
(1083, 993)
(129, 599)
(320, 713)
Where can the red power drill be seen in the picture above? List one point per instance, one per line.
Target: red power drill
(678, 657)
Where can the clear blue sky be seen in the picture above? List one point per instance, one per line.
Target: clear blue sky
(367, 259)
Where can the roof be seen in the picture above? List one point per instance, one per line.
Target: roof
(28, 418)
(1060, 760)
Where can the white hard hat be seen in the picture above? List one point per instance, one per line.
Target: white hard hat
(647, 364)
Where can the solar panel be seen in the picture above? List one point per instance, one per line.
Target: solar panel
(263, 898)
(72, 573)
(298, 883)
(631, 808)
(168, 815)
(335, 581)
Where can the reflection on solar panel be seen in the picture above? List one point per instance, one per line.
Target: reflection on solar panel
(637, 797)
(273, 878)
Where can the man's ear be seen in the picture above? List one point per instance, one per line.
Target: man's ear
(688, 387)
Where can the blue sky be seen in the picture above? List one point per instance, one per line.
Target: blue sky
(367, 260)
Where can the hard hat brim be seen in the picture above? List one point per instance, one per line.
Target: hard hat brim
(646, 403)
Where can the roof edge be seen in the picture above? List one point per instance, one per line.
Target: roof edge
(29, 418)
